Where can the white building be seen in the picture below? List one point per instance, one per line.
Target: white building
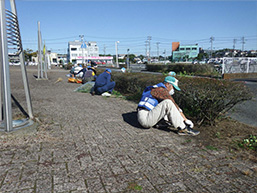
(78, 53)
(53, 58)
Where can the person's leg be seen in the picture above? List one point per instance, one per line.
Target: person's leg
(150, 118)
(106, 88)
(92, 91)
(110, 86)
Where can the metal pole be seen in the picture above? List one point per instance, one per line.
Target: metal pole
(128, 64)
(149, 38)
(23, 69)
(1, 80)
(82, 47)
(45, 60)
(211, 40)
(6, 72)
(248, 64)
(117, 61)
(39, 51)
(158, 51)
(223, 65)
(243, 42)
(41, 57)
(146, 43)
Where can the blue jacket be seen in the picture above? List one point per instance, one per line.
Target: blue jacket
(103, 79)
(147, 101)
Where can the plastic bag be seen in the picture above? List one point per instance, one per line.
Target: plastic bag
(85, 87)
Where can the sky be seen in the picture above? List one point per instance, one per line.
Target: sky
(132, 22)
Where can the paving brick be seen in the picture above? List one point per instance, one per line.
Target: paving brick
(85, 143)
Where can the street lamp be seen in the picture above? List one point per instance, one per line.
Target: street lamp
(116, 46)
(82, 47)
(128, 65)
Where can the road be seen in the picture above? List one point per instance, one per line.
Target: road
(246, 112)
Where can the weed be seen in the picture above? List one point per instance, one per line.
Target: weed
(134, 186)
(211, 147)
(250, 142)
(117, 94)
(217, 134)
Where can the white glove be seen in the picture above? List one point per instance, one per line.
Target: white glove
(189, 123)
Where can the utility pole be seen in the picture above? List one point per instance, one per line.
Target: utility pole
(104, 49)
(243, 42)
(164, 54)
(149, 38)
(158, 56)
(146, 44)
(82, 46)
(211, 40)
(234, 44)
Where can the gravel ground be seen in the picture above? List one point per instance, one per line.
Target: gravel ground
(86, 143)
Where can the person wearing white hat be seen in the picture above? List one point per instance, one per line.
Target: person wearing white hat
(157, 103)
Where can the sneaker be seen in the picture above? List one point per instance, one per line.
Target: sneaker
(188, 131)
(106, 94)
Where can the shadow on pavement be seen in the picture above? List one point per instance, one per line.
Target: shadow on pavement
(131, 118)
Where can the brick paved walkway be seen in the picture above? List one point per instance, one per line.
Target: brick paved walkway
(93, 144)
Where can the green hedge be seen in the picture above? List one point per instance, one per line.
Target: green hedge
(193, 69)
(202, 99)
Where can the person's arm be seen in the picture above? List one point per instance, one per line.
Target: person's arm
(161, 94)
(108, 79)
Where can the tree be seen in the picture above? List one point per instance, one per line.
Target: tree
(202, 56)
(28, 53)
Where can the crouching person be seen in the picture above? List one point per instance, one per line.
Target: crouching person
(103, 84)
(157, 103)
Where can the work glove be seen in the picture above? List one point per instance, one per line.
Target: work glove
(189, 123)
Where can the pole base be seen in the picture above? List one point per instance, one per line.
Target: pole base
(17, 124)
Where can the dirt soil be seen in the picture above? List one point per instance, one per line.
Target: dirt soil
(227, 134)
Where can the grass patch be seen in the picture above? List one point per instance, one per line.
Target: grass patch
(134, 186)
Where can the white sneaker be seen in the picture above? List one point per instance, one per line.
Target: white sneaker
(106, 94)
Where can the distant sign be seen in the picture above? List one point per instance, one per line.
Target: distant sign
(83, 45)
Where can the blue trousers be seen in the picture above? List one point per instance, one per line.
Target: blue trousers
(106, 88)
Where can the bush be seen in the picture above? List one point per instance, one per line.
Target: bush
(192, 69)
(68, 66)
(205, 99)
(202, 99)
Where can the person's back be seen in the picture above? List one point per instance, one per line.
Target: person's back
(90, 75)
(102, 79)
(103, 84)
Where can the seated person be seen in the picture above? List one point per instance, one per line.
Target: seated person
(103, 84)
(75, 71)
(89, 75)
(157, 104)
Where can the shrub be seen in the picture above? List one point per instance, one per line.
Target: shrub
(202, 99)
(68, 66)
(205, 99)
(193, 69)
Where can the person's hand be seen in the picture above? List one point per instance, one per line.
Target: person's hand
(189, 123)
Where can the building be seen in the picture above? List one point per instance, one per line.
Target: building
(184, 52)
(79, 53)
(53, 58)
